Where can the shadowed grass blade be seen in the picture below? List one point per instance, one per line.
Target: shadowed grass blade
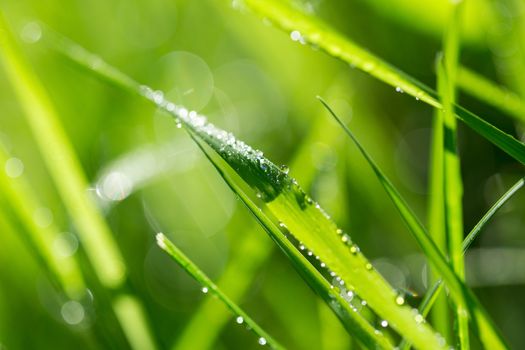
(483, 326)
(210, 287)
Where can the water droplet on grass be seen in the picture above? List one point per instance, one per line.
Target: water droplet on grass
(400, 300)
(262, 341)
(204, 290)
(285, 169)
(398, 89)
(384, 323)
(239, 320)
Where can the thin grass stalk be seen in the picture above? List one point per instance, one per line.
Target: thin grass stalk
(447, 71)
(461, 294)
(431, 296)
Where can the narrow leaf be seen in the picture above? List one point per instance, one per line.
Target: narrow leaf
(460, 293)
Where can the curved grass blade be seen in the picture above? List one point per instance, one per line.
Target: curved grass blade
(432, 294)
(286, 200)
(69, 178)
(208, 286)
(483, 326)
(316, 33)
(354, 322)
(447, 70)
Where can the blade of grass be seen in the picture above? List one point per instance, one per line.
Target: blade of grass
(351, 320)
(286, 200)
(208, 286)
(447, 68)
(485, 90)
(317, 34)
(432, 294)
(436, 217)
(240, 271)
(484, 328)
(67, 173)
(24, 204)
(206, 323)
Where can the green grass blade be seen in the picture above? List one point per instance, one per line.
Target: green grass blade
(436, 217)
(206, 323)
(238, 276)
(316, 33)
(490, 213)
(447, 68)
(460, 293)
(432, 294)
(286, 200)
(67, 174)
(22, 201)
(357, 325)
(208, 286)
(485, 90)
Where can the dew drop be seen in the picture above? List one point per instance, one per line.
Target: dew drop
(354, 249)
(158, 97)
(339, 231)
(262, 341)
(384, 323)
(285, 169)
(363, 302)
(419, 318)
(345, 238)
(239, 320)
(400, 300)
(204, 290)
(368, 266)
(398, 89)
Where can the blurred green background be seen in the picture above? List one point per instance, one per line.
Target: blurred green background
(252, 79)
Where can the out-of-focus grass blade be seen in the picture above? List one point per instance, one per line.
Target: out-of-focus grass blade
(483, 326)
(21, 200)
(436, 216)
(305, 219)
(67, 174)
(432, 294)
(485, 90)
(316, 33)
(210, 287)
(447, 69)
